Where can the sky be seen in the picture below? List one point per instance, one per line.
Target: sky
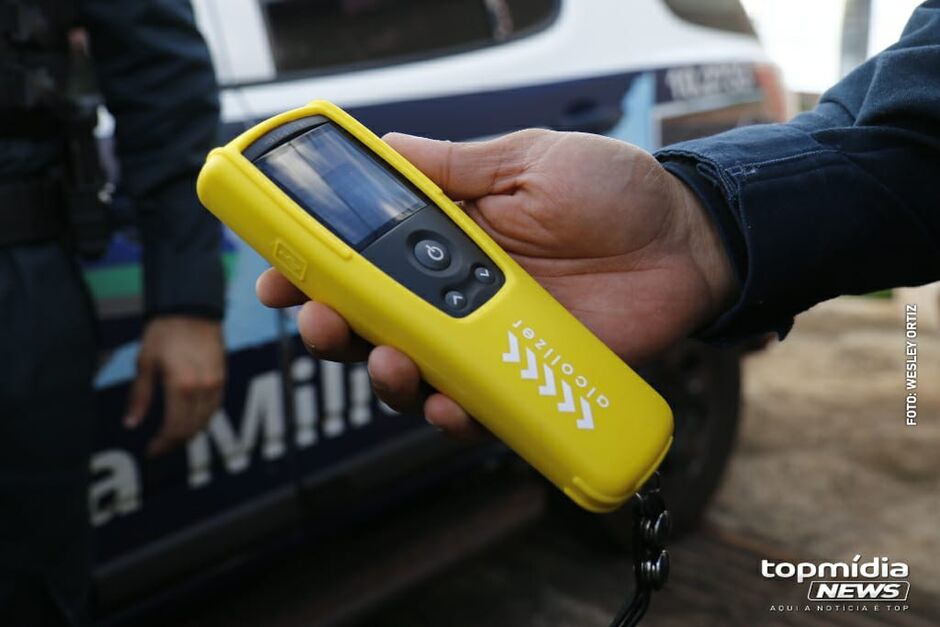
(804, 36)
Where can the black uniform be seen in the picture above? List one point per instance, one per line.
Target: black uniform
(154, 71)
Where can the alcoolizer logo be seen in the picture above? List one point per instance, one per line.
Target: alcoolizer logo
(554, 375)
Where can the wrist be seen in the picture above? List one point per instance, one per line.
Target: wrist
(700, 237)
(177, 320)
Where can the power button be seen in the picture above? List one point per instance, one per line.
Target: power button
(432, 254)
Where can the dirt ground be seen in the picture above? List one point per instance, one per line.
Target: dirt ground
(825, 465)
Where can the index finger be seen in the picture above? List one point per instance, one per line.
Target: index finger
(179, 422)
(274, 290)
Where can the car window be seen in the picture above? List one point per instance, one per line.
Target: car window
(726, 15)
(317, 35)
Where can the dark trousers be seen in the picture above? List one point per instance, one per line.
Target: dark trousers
(47, 361)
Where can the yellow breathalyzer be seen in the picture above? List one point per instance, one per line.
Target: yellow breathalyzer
(354, 225)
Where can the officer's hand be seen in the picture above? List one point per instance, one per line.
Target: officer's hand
(189, 356)
(615, 238)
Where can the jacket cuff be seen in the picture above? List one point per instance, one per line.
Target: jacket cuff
(778, 200)
(182, 254)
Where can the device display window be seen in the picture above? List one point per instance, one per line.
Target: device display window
(340, 184)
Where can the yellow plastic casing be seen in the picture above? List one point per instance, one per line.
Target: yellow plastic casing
(521, 363)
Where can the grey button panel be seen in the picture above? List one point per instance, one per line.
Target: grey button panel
(435, 259)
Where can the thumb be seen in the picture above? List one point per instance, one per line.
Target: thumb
(140, 396)
(471, 169)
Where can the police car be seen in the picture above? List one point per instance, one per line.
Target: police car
(304, 445)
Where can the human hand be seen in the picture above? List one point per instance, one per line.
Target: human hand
(189, 355)
(616, 239)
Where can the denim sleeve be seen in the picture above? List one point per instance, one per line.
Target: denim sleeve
(842, 199)
(157, 78)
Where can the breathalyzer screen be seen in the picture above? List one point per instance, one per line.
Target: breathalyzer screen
(340, 184)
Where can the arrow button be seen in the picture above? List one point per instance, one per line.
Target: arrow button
(484, 274)
(455, 300)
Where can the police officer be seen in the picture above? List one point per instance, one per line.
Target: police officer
(155, 74)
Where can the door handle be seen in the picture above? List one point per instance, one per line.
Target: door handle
(589, 117)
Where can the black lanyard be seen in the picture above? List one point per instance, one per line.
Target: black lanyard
(651, 527)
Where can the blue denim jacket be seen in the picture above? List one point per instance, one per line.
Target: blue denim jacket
(843, 199)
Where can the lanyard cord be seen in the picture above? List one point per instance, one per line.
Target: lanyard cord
(651, 527)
